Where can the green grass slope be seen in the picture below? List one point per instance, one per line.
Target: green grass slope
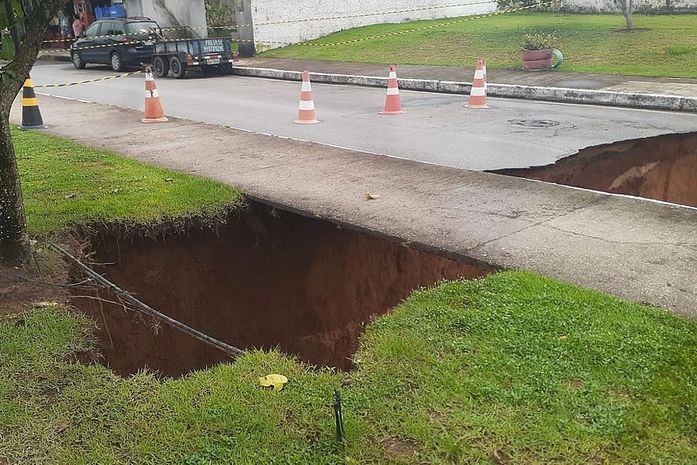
(67, 184)
(514, 365)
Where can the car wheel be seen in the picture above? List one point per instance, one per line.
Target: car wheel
(160, 66)
(177, 67)
(116, 61)
(77, 61)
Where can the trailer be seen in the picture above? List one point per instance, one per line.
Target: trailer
(212, 56)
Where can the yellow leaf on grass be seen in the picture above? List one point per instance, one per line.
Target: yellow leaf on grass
(277, 381)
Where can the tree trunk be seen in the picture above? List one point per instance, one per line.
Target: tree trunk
(13, 240)
(628, 10)
(13, 236)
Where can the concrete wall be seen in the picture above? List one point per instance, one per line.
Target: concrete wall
(589, 6)
(171, 13)
(273, 35)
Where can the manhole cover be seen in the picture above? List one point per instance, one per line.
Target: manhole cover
(534, 123)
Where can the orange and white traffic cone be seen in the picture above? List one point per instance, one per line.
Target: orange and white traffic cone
(393, 104)
(478, 93)
(306, 109)
(153, 107)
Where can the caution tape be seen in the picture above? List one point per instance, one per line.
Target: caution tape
(334, 44)
(76, 83)
(365, 15)
(408, 31)
(120, 44)
(177, 28)
(90, 47)
(303, 20)
(359, 15)
(425, 28)
(419, 29)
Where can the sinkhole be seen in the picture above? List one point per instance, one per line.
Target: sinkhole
(265, 279)
(661, 168)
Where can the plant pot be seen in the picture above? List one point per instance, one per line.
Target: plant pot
(537, 59)
(541, 59)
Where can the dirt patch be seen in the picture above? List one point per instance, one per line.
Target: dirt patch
(661, 168)
(573, 384)
(400, 447)
(38, 280)
(267, 279)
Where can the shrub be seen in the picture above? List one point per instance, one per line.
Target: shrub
(505, 4)
(539, 40)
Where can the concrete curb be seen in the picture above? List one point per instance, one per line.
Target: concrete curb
(551, 94)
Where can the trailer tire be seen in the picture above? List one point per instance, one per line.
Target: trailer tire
(178, 68)
(160, 66)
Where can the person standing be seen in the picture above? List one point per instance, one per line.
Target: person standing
(78, 26)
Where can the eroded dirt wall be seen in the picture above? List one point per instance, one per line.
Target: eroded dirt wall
(662, 168)
(267, 279)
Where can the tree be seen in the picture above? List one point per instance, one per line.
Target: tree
(627, 8)
(219, 15)
(27, 22)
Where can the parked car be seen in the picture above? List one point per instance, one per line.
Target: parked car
(117, 42)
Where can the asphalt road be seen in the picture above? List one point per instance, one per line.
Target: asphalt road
(436, 128)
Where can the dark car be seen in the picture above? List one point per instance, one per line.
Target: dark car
(117, 42)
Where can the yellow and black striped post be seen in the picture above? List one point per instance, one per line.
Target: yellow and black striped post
(31, 116)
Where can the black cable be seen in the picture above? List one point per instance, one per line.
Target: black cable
(143, 307)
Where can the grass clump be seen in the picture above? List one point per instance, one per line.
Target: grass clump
(513, 365)
(590, 43)
(67, 184)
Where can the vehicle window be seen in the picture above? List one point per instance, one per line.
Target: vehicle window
(93, 30)
(107, 29)
(112, 28)
(143, 27)
(117, 28)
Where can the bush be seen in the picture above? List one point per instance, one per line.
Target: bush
(218, 14)
(505, 4)
(539, 40)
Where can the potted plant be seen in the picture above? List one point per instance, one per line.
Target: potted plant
(538, 50)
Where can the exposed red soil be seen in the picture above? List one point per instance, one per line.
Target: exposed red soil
(265, 281)
(662, 168)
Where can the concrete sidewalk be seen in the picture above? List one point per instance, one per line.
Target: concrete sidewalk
(640, 250)
(557, 79)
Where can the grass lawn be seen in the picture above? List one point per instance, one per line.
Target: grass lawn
(67, 184)
(541, 371)
(590, 43)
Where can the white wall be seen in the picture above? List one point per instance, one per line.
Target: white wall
(265, 11)
(171, 13)
(587, 6)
